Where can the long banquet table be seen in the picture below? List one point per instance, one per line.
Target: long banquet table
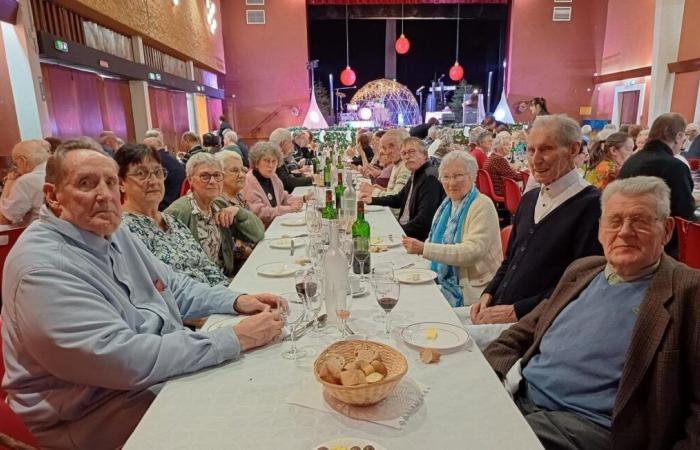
(241, 404)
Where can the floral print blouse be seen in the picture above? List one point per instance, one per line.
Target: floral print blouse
(602, 174)
(207, 229)
(176, 247)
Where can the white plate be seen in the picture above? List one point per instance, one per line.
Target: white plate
(295, 222)
(278, 269)
(384, 241)
(373, 208)
(448, 336)
(348, 443)
(286, 243)
(415, 276)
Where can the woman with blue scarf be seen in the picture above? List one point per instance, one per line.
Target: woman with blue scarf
(464, 244)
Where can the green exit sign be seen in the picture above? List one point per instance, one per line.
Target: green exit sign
(61, 46)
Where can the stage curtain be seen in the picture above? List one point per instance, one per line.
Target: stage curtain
(407, 2)
(214, 111)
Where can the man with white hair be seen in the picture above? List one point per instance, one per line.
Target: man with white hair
(691, 132)
(282, 137)
(93, 321)
(610, 359)
(23, 195)
(109, 142)
(231, 143)
(391, 143)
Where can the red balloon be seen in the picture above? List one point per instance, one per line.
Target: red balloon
(402, 45)
(347, 76)
(456, 72)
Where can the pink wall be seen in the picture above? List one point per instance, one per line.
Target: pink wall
(8, 115)
(685, 89)
(266, 65)
(555, 60)
(629, 35)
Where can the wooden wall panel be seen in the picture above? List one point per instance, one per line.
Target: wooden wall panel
(214, 111)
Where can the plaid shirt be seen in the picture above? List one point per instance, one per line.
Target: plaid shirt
(498, 167)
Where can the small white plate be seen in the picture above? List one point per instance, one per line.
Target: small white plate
(385, 241)
(348, 443)
(295, 222)
(286, 243)
(415, 276)
(278, 269)
(373, 208)
(448, 336)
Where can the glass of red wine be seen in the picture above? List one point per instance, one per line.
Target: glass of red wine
(387, 290)
(308, 285)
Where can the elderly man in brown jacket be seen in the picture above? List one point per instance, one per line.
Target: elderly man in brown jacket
(610, 360)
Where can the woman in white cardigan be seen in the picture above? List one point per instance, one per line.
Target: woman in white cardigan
(464, 244)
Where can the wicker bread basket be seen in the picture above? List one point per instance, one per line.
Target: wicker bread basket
(364, 394)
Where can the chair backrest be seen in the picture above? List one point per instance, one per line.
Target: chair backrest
(694, 164)
(512, 194)
(3, 394)
(688, 242)
(485, 185)
(505, 236)
(7, 241)
(185, 187)
(11, 425)
(526, 176)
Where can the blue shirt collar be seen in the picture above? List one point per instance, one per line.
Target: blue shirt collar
(83, 238)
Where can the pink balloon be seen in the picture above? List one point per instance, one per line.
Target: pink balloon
(456, 72)
(347, 76)
(402, 45)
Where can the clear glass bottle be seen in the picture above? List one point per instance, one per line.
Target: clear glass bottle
(336, 269)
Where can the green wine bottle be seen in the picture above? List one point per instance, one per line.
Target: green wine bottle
(339, 189)
(329, 212)
(327, 174)
(315, 162)
(361, 263)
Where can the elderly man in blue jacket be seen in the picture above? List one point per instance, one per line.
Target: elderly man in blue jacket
(92, 321)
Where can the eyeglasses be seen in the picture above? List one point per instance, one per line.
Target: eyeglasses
(410, 152)
(205, 177)
(237, 171)
(142, 174)
(638, 224)
(458, 178)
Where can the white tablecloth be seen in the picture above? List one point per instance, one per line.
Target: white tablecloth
(240, 405)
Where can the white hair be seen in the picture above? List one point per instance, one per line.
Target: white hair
(691, 127)
(638, 186)
(460, 157)
(199, 159)
(225, 155)
(610, 126)
(280, 135)
(34, 150)
(230, 136)
(566, 130)
(500, 139)
(154, 133)
(586, 130)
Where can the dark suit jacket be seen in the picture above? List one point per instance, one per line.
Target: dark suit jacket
(173, 182)
(425, 200)
(289, 180)
(658, 400)
(694, 150)
(656, 159)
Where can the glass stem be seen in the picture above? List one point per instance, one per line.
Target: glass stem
(386, 324)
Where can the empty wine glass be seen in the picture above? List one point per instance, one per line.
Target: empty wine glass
(387, 290)
(293, 315)
(313, 218)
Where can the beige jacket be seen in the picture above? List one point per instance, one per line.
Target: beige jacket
(397, 180)
(479, 255)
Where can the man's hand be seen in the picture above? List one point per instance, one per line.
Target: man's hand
(497, 314)
(413, 246)
(227, 216)
(258, 330)
(365, 188)
(366, 198)
(251, 304)
(476, 308)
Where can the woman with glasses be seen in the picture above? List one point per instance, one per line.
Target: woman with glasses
(234, 177)
(464, 243)
(141, 179)
(214, 223)
(263, 189)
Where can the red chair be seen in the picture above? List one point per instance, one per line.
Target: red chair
(512, 194)
(10, 423)
(526, 176)
(7, 241)
(185, 187)
(688, 242)
(505, 236)
(485, 186)
(694, 164)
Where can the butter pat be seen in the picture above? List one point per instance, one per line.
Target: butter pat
(431, 334)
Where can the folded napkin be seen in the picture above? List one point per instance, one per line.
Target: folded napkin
(393, 411)
(227, 320)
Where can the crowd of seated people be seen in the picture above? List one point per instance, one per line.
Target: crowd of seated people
(563, 315)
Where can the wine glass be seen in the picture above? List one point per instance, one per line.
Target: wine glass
(379, 271)
(316, 250)
(308, 286)
(293, 315)
(347, 248)
(313, 218)
(342, 311)
(360, 250)
(387, 290)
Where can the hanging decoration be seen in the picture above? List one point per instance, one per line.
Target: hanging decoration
(347, 76)
(402, 45)
(456, 71)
